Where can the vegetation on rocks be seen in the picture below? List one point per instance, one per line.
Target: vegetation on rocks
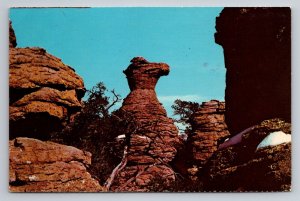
(96, 128)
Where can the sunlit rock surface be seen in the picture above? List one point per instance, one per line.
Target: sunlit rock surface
(43, 92)
(36, 166)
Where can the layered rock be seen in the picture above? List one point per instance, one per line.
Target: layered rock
(257, 50)
(44, 93)
(245, 167)
(208, 128)
(152, 146)
(36, 166)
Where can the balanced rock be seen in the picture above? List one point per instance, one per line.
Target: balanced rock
(36, 166)
(152, 146)
(257, 50)
(44, 92)
(245, 167)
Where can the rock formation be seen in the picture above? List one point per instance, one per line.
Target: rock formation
(12, 37)
(257, 50)
(208, 130)
(44, 92)
(243, 167)
(36, 166)
(208, 127)
(153, 144)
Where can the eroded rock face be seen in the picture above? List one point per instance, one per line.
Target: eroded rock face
(208, 131)
(153, 145)
(36, 166)
(243, 167)
(209, 127)
(44, 93)
(257, 50)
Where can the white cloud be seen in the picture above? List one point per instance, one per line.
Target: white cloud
(171, 99)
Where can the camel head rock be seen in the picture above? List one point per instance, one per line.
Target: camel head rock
(142, 74)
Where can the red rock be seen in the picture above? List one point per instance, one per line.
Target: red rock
(208, 126)
(33, 68)
(208, 130)
(36, 166)
(44, 92)
(154, 144)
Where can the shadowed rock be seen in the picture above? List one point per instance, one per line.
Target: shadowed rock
(243, 167)
(257, 50)
(12, 37)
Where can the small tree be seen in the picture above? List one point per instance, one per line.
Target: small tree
(96, 128)
(184, 110)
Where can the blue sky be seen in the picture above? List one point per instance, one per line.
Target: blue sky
(100, 42)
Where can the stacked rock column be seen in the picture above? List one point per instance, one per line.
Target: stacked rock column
(208, 127)
(153, 145)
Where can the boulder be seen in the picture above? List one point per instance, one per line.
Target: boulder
(245, 167)
(44, 93)
(36, 166)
